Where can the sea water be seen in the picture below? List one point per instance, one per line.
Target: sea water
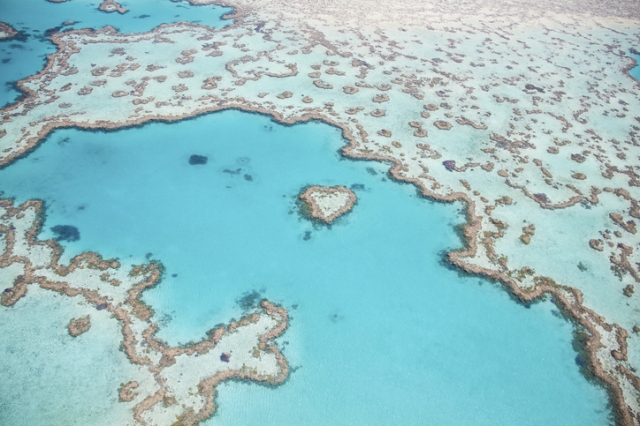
(26, 54)
(382, 331)
(635, 71)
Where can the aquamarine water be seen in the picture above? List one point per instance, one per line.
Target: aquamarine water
(26, 54)
(635, 71)
(382, 332)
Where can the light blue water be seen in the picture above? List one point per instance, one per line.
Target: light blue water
(48, 381)
(26, 55)
(382, 333)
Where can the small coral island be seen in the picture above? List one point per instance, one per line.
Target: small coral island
(111, 6)
(327, 203)
(78, 326)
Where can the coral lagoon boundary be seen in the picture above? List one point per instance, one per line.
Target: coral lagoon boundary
(527, 107)
(165, 374)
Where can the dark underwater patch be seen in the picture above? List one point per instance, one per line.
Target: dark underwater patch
(249, 299)
(66, 233)
(196, 160)
(51, 31)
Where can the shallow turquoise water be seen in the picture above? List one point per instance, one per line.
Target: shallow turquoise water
(25, 56)
(635, 71)
(381, 332)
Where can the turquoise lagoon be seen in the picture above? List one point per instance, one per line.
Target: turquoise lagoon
(382, 331)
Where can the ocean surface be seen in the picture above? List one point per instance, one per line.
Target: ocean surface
(382, 331)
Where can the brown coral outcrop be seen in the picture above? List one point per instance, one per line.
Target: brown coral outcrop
(78, 326)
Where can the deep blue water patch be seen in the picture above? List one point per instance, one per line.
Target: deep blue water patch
(66, 233)
(198, 160)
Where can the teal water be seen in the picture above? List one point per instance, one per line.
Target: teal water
(381, 331)
(635, 71)
(26, 55)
